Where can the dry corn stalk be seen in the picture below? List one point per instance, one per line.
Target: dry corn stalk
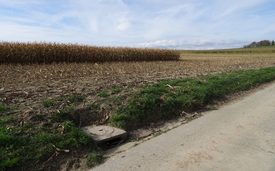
(56, 152)
(27, 53)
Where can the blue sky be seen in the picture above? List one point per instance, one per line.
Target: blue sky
(177, 24)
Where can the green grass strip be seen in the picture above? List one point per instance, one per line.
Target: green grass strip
(3, 108)
(187, 94)
(18, 147)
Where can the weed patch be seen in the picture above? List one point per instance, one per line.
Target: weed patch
(116, 90)
(119, 120)
(93, 159)
(51, 102)
(75, 98)
(3, 107)
(93, 106)
(64, 114)
(103, 93)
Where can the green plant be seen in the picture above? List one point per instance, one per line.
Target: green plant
(3, 107)
(93, 106)
(63, 114)
(93, 159)
(75, 98)
(28, 125)
(141, 106)
(119, 99)
(8, 120)
(103, 93)
(14, 108)
(48, 103)
(157, 134)
(119, 120)
(59, 99)
(116, 90)
(77, 136)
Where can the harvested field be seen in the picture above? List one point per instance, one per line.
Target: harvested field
(243, 51)
(82, 78)
(122, 73)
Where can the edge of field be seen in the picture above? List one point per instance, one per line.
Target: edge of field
(46, 141)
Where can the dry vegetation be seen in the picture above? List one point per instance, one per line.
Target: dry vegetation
(28, 53)
(12, 75)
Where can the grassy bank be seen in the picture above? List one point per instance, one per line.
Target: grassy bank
(35, 144)
(166, 99)
(30, 145)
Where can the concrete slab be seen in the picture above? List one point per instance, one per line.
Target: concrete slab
(104, 133)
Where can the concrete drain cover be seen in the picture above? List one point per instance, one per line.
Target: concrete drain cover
(105, 134)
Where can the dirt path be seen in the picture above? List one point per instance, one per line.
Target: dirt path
(239, 136)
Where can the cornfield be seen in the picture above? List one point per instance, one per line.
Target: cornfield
(30, 53)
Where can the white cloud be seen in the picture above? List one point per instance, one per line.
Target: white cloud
(124, 24)
(20, 3)
(192, 44)
(93, 25)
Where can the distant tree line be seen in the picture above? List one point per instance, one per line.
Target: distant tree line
(260, 44)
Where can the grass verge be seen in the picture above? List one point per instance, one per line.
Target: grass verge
(28, 146)
(168, 98)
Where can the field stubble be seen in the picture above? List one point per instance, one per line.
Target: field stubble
(64, 79)
(120, 73)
